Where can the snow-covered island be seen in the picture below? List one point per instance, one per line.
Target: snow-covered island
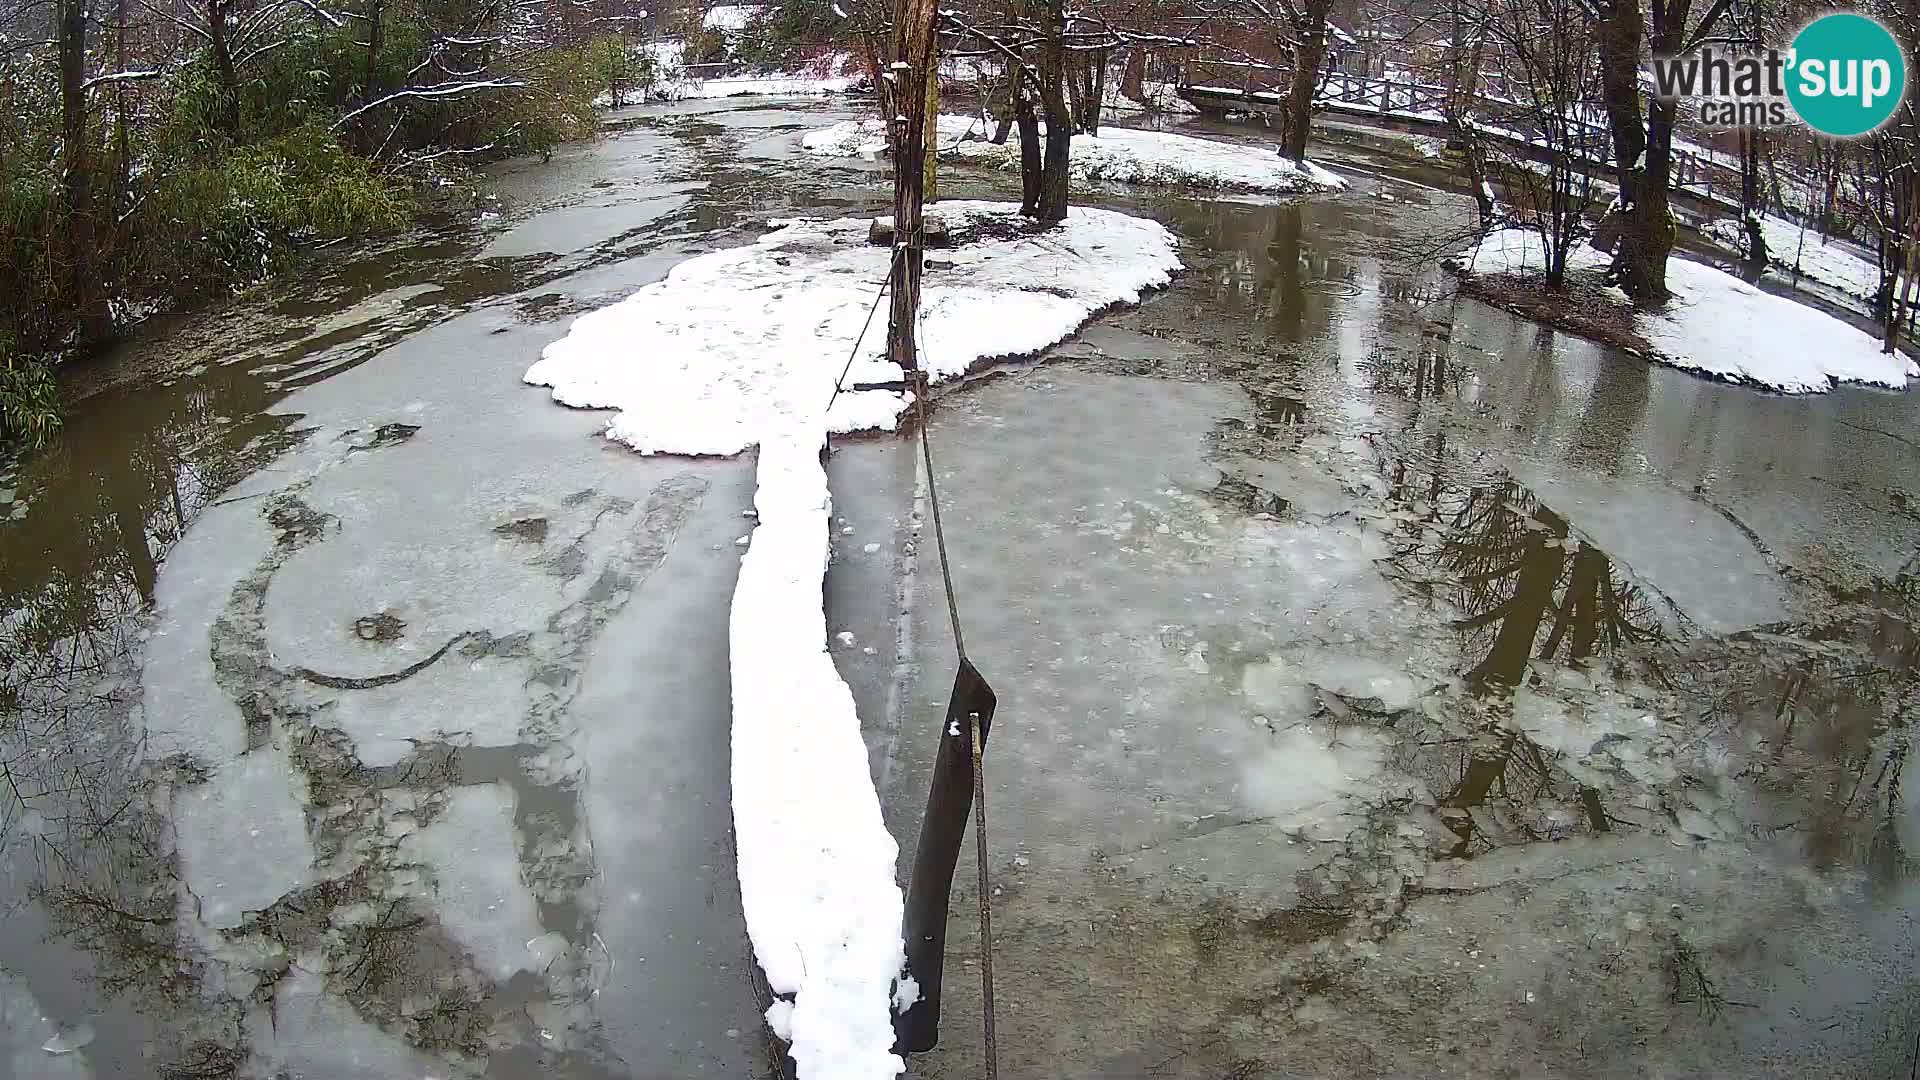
(1718, 325)
(742, 348)
(1116, 155)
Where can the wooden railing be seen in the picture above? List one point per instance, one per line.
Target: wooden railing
(1264, 87)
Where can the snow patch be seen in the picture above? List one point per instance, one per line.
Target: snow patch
(1723, 327)
(1116, 155)
(1795, 248)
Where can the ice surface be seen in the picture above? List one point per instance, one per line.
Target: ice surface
(743, 347)
(479, 702)
(1154, 645)
(1717, 577)
(185, 711)
(312, 1033)
(1121, 155)
(243, 836)
(1723, 327)
(1308, 777)
(472, 853)
(25, 1034)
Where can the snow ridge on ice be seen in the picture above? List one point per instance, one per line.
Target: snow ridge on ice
(740, 348)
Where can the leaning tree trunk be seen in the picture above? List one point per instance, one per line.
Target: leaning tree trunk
(1307, 58)
(1052, 205)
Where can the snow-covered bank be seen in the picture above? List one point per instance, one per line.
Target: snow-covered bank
(741, 348)
(1117, 155)
(1794, 248)
(1721, 326)
(779, 83)
(833, 73)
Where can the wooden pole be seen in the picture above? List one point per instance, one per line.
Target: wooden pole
(912, 69)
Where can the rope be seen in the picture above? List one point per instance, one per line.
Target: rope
(986, 909)
(841, 382)
(922, 385)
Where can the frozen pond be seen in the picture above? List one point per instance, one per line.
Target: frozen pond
(1388, 686)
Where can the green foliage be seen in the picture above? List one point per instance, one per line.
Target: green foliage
(616, 69)
(234, 215)
(29, 398)
(788, 32)
(201, 182)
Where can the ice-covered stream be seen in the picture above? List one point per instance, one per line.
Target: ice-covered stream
(381, 707)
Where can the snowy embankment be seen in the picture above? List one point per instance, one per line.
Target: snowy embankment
(741, 348)
(1794, 248)
(1117, 155)
(1720, 326)
(834, 73)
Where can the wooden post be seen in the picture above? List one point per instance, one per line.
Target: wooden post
(912, 69)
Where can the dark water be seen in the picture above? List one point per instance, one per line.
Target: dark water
(1570, 508)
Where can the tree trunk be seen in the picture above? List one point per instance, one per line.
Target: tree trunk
(913, 51)
(1135, 74)
(1643, 155)
(122, 142)
(1029, 152)
(90, 306)
(1646, 219)
(1096, 93)
(370, 75)
(1013, 107)
(226, 112)
(1307, 58)
(1076, 93)
(1751, 204)
(1052, 206)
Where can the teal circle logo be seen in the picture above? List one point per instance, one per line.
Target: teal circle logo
(1848, 75)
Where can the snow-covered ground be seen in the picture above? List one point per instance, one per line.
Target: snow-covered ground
(741, 348)
(1116, 155)
(834, 73)
(729, 17)
(1794, 248)
(1154, 97)
(1723, 327)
